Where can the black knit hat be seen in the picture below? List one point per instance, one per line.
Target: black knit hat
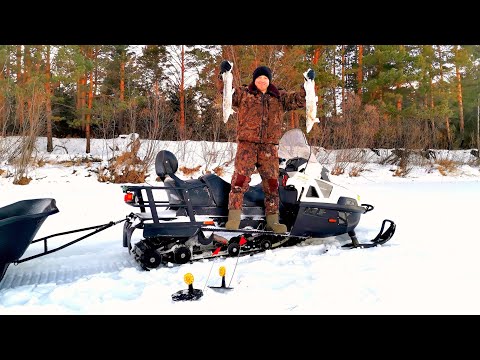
(262, 70)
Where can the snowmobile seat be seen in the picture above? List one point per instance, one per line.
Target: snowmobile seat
(288, 194)
(254, 196)
(199, 195)
(218, 188)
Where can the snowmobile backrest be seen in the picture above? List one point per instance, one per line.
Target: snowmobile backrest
(165, 164)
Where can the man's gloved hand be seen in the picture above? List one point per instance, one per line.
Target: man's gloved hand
(225, 66)
(311, 74)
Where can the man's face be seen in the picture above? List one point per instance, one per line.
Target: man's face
(262, 83)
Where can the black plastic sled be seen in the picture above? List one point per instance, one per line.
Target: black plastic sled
(20, 222)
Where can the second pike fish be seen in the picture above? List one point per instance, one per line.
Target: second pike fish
(228, 91)
(311, 100)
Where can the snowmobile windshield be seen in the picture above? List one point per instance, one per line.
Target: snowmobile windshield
(294, 144)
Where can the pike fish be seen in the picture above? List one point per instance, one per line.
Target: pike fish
(228, 91)
(311, 100)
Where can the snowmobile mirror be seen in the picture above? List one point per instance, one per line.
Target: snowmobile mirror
(324, 174)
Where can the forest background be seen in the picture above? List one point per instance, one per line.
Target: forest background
(370, 96)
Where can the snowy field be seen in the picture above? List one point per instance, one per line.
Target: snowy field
(430, 266)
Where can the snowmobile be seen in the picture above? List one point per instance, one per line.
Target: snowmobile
(184, 220)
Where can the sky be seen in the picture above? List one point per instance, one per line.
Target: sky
(430, 266)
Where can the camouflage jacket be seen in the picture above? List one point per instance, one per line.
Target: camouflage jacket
(260, 116)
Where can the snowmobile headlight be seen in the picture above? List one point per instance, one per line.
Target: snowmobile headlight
(222, 271)
(188, 278)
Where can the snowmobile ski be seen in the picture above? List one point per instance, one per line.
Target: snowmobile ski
(382, 237)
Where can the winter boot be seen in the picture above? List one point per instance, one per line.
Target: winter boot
(234, 217)
(274, 225)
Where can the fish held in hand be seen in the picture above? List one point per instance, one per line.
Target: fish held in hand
(228, 91)
(311, 101)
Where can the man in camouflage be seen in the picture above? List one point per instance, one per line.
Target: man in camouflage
(260, 108)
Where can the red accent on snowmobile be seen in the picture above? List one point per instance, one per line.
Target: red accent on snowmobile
(242, 241)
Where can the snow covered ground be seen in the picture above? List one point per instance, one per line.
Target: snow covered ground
(430, 266)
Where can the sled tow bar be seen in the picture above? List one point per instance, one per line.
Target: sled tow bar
(97, 228)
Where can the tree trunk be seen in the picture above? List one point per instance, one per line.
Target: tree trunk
(399, 99)
(88, 117)
(293, 120)
(77, 104)
(4, 102)
(156, 124)
(82, 101)
(20, 115)
(478, 123)
(27, 68)
(460, 103)
(447, 120)
(182, 96)
(3, 106)
(334, 84)
(432, 105)
(360, 70)
(7, 64)
(97, 49)
(343, 78)
(122, 126)
(122, 80)
(48, 103)
(316, 56)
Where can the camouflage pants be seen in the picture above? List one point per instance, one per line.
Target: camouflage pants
(265, 158)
